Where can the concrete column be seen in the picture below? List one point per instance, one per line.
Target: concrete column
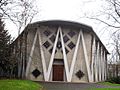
(86, 57)
(93, 60)
(97, 63)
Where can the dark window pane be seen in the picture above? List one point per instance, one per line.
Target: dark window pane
(59, 45)
(71, 45)
(36, 73)
(46, 44)
(50, 51)
(52, 38)
(71, 33)
(79, 74)
(65, 38)
(66, 50)
(47, 33)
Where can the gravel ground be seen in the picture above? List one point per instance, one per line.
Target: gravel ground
(73, 86)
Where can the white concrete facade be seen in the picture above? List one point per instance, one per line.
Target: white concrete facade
(75, 46)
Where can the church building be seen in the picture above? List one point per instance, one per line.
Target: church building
(58, 50)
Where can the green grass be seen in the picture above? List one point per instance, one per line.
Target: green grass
(105, 89)
(108, 83)
(19, 85)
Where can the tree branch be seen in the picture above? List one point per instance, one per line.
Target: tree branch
(103, 22)
(116, 10)
(7, 15)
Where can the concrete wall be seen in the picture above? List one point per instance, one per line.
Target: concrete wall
(85, 60)
(80, 63)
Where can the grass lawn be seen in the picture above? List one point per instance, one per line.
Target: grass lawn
(107, 84)
(19, 85)
(104, 89)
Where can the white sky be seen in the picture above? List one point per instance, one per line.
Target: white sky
(68, 10)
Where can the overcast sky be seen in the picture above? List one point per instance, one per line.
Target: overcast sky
(72, 10)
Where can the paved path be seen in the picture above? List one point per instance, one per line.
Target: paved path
(73, 86)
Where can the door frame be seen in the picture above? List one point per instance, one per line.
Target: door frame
(58, 62)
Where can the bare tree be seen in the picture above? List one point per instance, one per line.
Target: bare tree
(116, 51)
(113, 20)
(22, 13)
(110, 16)
(4, 8)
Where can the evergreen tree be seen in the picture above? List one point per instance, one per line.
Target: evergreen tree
(4, 49)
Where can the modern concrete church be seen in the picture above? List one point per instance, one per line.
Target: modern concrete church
(59, 50)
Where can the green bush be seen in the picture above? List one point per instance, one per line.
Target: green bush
(115, 80)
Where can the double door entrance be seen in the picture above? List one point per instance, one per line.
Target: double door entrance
(58, 73)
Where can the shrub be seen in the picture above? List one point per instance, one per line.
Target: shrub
(115, 80)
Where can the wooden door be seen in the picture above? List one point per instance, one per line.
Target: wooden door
(58, 72)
